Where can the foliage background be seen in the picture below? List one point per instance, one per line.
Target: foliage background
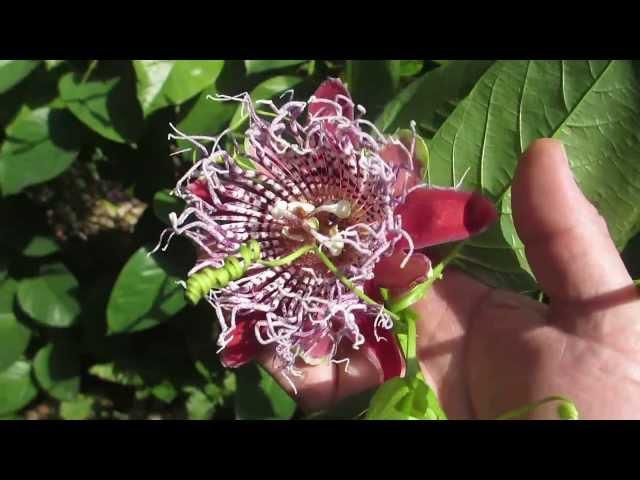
(90, 327)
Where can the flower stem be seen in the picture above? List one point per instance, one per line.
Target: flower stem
(420, 290)
(90, 69)
(347, 283)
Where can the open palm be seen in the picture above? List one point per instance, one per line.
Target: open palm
(487, 351)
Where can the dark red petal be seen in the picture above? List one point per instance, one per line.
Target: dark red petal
(388, 274)
(385, 354)
(199, 188)
(318, 350)
(330, 89)
(398, 156)
(243, 346)
(433, 216)
(395, 155)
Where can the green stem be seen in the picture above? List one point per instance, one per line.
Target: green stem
(282, 261)
(637, 282)
(420, 290)
(521, 411)
(89, 71)
(413, 367)
(347, 283)
(269, 114)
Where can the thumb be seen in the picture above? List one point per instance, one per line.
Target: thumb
(566, 241)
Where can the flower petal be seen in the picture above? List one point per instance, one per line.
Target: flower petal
(432, 216)
(243, 346)
(389, 274)
(384, 353)
(319, 350)
(199, 188)
(329, 90)
(397, 155)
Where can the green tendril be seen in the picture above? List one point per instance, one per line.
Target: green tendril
(234, 268)
(566, 410)
(199, 284)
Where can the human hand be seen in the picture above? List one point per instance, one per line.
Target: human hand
(488, 351)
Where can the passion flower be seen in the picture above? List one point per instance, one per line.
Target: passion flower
(293, 222)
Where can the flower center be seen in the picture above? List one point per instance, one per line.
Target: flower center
(323, 225)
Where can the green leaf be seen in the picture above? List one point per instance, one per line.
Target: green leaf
(80, 408)
(51, 298)
(264, 91)
(14, 335)
(199, 405)
(109, 373)
(13, 71)
(164, 204)
(209, 117)
(259, 66)
(372, 83)
(40, 246)
(591, 106)
(40, 145)
(171, 82)
(164, 391)
(57, 369)
(51, 64)
(408, 68)
(259, 396)
(244, 162)
(17, 389)
(145, 293)
(107, 107)
(431, 98)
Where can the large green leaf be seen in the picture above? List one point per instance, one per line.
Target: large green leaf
(50, 298)
(57, 369)
(13, 71)
(264, 91)
(592, 106)
(145, 293)
(14, 335)
(259, 396)
(258, 66)
(171, 82)
(16, 387)
(108, 107)
(372, 82)
(431, 98)
(210, 117)
(80, 408)
(40, 144)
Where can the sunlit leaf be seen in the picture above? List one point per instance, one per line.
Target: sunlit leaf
(171, 82)
(50, 298)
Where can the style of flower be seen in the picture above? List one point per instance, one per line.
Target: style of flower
(337, 209)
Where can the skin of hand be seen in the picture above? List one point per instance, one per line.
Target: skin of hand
(488, 351)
